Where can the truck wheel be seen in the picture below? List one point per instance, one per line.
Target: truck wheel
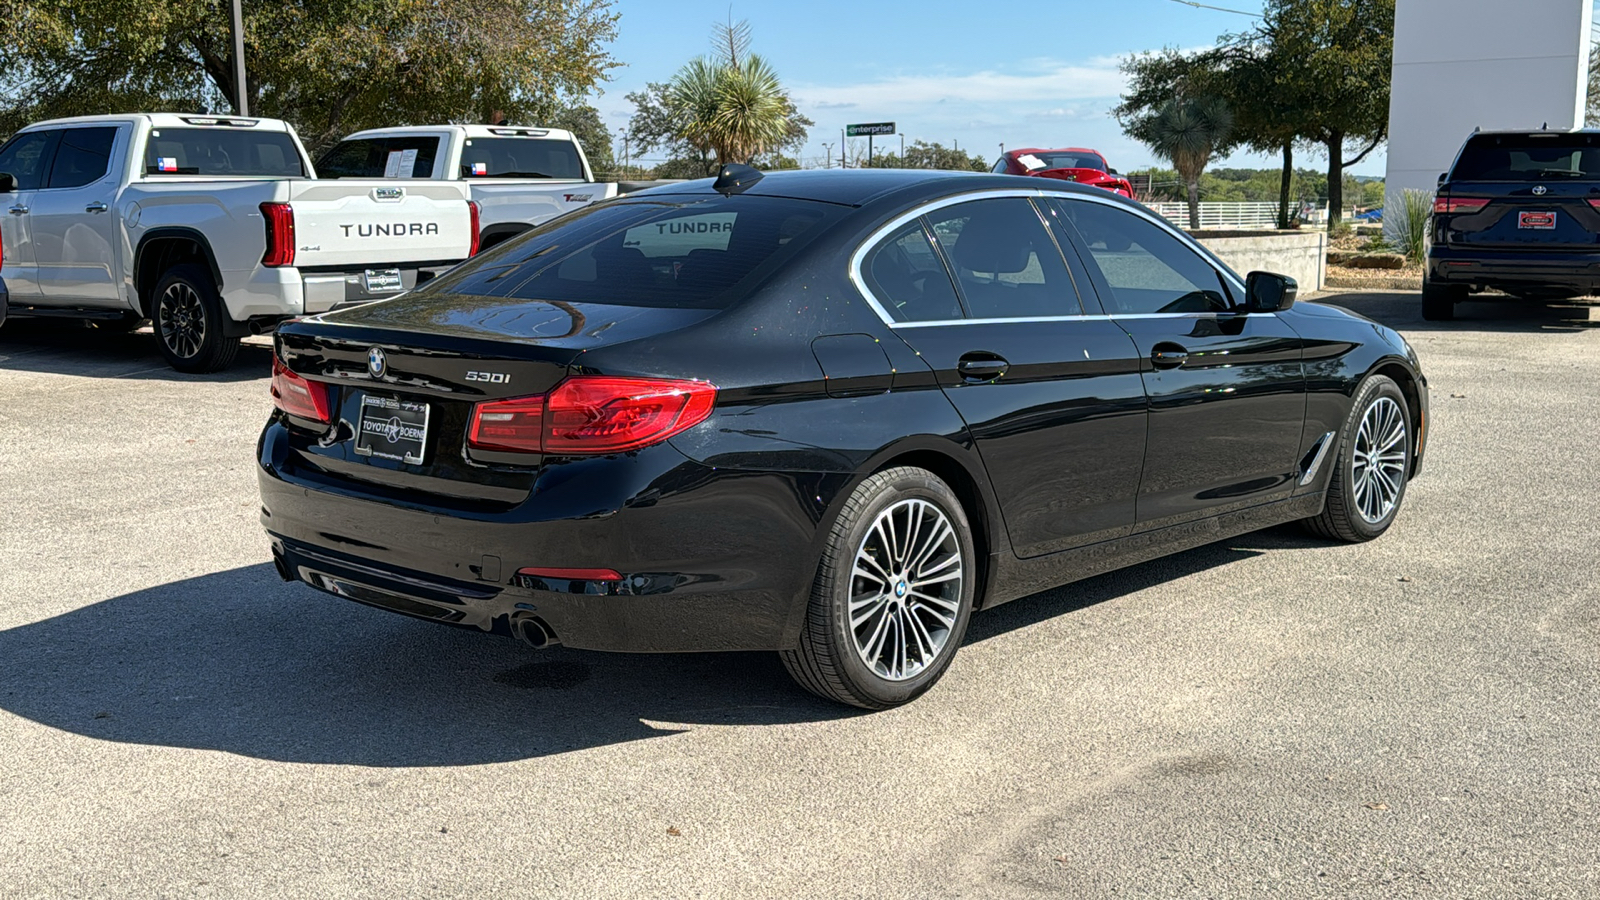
(187, 314)
(892, 595)
(1439, 300)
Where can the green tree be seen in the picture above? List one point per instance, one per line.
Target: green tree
(923, 155)
(328, 66)
(584, 122)
(1188, 132)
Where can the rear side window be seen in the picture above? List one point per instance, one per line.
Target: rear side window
(1147, 268)
(1521, 157)
(908, 279)
(221, 151)
(512, 157)
(82, 157)
(1005, 261)
(669, 252)
(26, 157)
(409, 156)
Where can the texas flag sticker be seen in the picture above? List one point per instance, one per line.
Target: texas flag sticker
(167, 164)
(480, 168)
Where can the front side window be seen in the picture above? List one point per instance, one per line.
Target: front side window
(26, 157)
(908, 279)
(408, 156)
(221, 151)
(1005, 261)
(82, 157)
(690, 252)
(515, 157)
(1147, 268)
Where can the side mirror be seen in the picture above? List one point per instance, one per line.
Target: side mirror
(1443, 176)
(1266, 292)
(8, 183)
(1111, 171)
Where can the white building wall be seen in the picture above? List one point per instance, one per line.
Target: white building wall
(1489, 64)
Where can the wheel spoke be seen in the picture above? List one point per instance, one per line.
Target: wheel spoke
(905, 588)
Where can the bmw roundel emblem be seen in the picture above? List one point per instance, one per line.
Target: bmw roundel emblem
(377, 363)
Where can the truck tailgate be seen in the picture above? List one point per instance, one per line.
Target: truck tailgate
(348, 223)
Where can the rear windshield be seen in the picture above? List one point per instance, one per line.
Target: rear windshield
(409, 156)
(221, 151)
(1521, 157)
(1039, 161)
(515, 157)
(685, 252)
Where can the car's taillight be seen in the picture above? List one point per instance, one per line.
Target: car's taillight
(473, 223)
(299, 396)
(1458, 204)
(1594, 202)
(279, 218)
(592, 414)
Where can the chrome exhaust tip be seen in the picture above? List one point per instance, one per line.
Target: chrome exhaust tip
(535, 632)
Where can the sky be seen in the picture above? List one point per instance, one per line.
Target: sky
(974, 74)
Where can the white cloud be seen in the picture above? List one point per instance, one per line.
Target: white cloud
(1050, 81)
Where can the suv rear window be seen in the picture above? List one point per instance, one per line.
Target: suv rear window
(221, 151)
(410, 156)
(513, 157)
(1523, 157)
(679, 251)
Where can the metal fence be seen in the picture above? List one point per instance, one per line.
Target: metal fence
(1221, 215)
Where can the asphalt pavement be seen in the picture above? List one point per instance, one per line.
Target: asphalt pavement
(1270, 716)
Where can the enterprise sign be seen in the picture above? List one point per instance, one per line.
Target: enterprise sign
(869, 129)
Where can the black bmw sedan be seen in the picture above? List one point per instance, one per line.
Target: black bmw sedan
(830, 414)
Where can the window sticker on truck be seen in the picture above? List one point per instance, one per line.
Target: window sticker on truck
(480, 168)
(167, 163)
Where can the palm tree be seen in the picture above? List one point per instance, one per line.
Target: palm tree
(1188, 132)
(733, 105)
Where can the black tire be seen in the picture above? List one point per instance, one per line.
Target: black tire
(827, 661)
(1439, 300)
(1345, 515)
(187, 315)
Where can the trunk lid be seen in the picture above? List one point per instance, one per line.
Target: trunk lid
(421, 362)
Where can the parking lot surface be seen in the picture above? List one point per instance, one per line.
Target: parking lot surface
(1270, 716)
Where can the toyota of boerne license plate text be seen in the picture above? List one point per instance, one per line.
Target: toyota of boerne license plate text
(392, 429)
(1543, 221)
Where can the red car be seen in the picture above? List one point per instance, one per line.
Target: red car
(1069, 164)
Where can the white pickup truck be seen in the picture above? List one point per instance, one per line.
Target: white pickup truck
(212, 227)
(518, 176)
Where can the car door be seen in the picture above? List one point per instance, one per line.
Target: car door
(1226, 388)
(1053, 399)
(74, 227)
(26, 158)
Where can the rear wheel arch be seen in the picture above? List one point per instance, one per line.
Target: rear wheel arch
(159, 250)
(499, 233)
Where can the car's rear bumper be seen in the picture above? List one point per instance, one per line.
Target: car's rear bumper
(1562, 271)
(711, 560)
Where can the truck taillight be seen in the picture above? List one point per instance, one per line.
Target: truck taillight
(299, 396)
(473, 224)
(592, 414)
(279, 218)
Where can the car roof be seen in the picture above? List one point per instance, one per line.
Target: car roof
(168, 120)
(859, 187)
(470, 131)
(1023, 150)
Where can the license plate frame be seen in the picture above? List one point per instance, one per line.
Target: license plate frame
(1536, 220)
(383, 281)
(388, 428)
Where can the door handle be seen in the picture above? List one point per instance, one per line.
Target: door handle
(1168, 356)
(96, 207)
(19, 210)
(981, 365)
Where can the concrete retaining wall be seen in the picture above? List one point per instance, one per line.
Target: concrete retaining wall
(1301, 255)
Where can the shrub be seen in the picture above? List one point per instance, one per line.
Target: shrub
(1410, 219)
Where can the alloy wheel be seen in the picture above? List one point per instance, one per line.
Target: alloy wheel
(181, 320)
(1378, 463)
(905, 589)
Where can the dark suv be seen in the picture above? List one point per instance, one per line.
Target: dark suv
(1519, 212)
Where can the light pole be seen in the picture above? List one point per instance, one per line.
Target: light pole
(902, 148)
(241, 98)
(827, 156)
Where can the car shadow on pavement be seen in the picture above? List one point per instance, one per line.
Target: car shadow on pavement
(74, 348)
(1489, 313)
(240, 662)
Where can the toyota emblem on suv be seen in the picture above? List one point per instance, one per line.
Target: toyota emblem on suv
(377, 363)
(1539, 190)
